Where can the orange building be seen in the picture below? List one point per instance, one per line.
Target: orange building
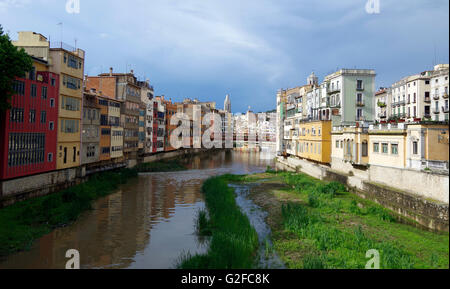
(105, 129)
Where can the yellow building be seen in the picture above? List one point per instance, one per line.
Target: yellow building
(313, 141)
(68, 62)
(428, 146)
(350, 146)
(387, 146)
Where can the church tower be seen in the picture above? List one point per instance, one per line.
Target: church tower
(227, 104)
(313, 79)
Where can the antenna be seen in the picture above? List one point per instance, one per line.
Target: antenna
(62, 28)
(75, 44)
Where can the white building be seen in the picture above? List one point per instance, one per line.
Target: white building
(439, 92)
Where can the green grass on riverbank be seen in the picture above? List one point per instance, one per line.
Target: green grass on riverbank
(163, 166)
(24, 222)
(233, 241)
(320, 225)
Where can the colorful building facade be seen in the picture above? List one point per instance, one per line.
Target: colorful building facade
(29, 128)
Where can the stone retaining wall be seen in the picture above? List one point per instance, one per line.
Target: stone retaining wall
(425, 203)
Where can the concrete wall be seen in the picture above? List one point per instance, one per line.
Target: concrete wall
(426, 185)
(12, 191)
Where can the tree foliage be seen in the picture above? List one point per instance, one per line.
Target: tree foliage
(14, 63)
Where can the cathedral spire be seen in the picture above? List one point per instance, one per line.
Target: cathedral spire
(227, 104)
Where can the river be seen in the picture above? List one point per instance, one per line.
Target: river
(146, 224)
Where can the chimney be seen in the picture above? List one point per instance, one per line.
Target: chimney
(132, 71)
(110, 71)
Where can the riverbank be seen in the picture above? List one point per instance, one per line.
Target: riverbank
(161, 167)
(24, 222)
(319, 225)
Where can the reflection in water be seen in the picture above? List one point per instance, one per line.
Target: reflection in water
(147, 223)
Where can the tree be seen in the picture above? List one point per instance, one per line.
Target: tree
(13, 63)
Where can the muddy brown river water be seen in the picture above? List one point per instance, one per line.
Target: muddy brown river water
(146, 224)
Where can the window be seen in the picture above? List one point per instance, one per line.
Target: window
(71, 82)
(53, 81)
(415, 148)
(376, 147)
(44, 92)
(359, 84)
(70, 103)
(32, 116)
(52, 102)
(364, 149)
(26, 149)
(385, 148)
(19, 87)
(50, 157)
(65, 155)
(103, 119)
(359, 98)
(33, 90)
(337, 144)
(69, 126)
(51, 125)
(394, 149)
(74, 154)
(16, 115)
(72, 61)
(106, 131)
(43, 116)
(427, 82)
(359, 114)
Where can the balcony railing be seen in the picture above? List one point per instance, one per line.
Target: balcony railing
(401, 102)
(360, 103)
(436, 110)
(445, 95)
(360, 118)
(445, 109)
(333, 89)
(382, 115)
(427, 99)
(436, 97)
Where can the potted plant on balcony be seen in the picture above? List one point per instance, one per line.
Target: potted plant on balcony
(381, 104)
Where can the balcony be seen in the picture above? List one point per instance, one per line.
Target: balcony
(445, 109)
(360, 88)
(360, 118)
(382, 115)
(335, 105)
(445, 95)
(436, 110)
(401, 103)
(333, 89)
(427, 99)
(360, 103)
(436, 97)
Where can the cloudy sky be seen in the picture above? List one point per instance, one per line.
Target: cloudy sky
(249, 48)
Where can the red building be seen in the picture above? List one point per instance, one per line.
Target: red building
(29, 129)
